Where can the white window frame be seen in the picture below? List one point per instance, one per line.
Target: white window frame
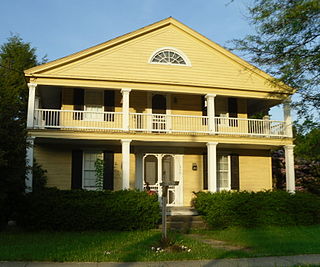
(83, 166)
(175, 50)
(229, 173)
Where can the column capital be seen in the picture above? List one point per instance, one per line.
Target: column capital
(123, 141)
(210, 96)
(32, 85)
(289, 147)
(212, 143)
(125, 90)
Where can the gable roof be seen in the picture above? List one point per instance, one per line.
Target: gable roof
(40, 70)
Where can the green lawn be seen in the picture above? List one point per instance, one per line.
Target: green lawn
(136, 245)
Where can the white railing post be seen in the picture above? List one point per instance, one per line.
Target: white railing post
(29, 164)
(31, 101)
(211, 112)
(125, 108)
(125, 163)
(287, 116)
(212, 166)
(290, 176)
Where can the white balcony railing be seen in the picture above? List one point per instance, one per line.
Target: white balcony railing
(156, 123)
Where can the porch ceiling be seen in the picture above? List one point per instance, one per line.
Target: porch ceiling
(148, 145)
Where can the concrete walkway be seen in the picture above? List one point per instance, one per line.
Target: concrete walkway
(243, 262)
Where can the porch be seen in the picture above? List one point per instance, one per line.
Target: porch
(156, 123)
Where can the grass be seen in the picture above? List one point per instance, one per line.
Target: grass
(275, 241)
(136, 245)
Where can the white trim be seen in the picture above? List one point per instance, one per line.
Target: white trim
(211, 112)
(290, 175)
(176, 50)
(29, 164)
(178, 173)
(31, 104)
(93, 151)
(179, 177)
(125, 108)
(287, 116)
(229, 172)
(125, 144)
(212, 166)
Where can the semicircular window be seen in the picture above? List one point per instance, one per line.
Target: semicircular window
(168, 56)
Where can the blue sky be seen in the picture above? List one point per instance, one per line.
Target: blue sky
(57, 28)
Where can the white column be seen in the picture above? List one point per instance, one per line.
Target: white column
(211, 112)
(31, 101)
(139, 178)
(125, 108)
(125, 163)
(29, 164)
(287, 116)
(212, 166)
(290, 177)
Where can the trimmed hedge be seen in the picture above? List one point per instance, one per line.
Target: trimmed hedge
(251, 209)
(79, 210)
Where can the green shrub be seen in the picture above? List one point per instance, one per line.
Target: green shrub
(39, 180)
(79, 210)
(251, 209)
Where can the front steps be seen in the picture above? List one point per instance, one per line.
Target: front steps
(184, 219)
(185, 223)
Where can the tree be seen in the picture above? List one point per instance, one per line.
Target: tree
(15, 57)
(287, 45)
(307, 152)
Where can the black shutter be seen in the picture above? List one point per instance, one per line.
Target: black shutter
(76, 170)
(78, 103)
(205, 171)
(109, 106)
(235, 183)
(108, 173)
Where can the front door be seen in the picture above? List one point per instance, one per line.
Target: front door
(163, 167)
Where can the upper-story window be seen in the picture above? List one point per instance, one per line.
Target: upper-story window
(169, 56)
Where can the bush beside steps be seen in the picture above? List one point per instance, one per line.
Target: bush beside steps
(253, 209)
(80, 210)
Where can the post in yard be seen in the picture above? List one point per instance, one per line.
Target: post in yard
(165, 187)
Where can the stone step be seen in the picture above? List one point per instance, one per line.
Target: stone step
(185, 223)
(184, 218)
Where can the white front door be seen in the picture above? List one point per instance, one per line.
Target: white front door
(164, 167)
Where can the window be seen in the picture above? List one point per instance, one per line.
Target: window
(169, 56)
(94, 105)
(223, 172)
(90, 181)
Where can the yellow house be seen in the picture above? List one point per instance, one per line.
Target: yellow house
(162, 103)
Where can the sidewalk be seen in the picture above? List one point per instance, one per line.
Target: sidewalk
(243, 262)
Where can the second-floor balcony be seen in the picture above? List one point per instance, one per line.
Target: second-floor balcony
(156, 123)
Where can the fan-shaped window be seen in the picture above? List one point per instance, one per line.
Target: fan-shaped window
(170, 57)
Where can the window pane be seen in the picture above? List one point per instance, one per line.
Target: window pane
(168, 168)
(223, 172)
(151, 170)
(168, 56)
(89, 172)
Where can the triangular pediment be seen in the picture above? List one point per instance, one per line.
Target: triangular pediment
(127, 58)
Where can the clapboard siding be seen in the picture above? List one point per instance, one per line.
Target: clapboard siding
(255, 172)
(57, 161)
(129, 61)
